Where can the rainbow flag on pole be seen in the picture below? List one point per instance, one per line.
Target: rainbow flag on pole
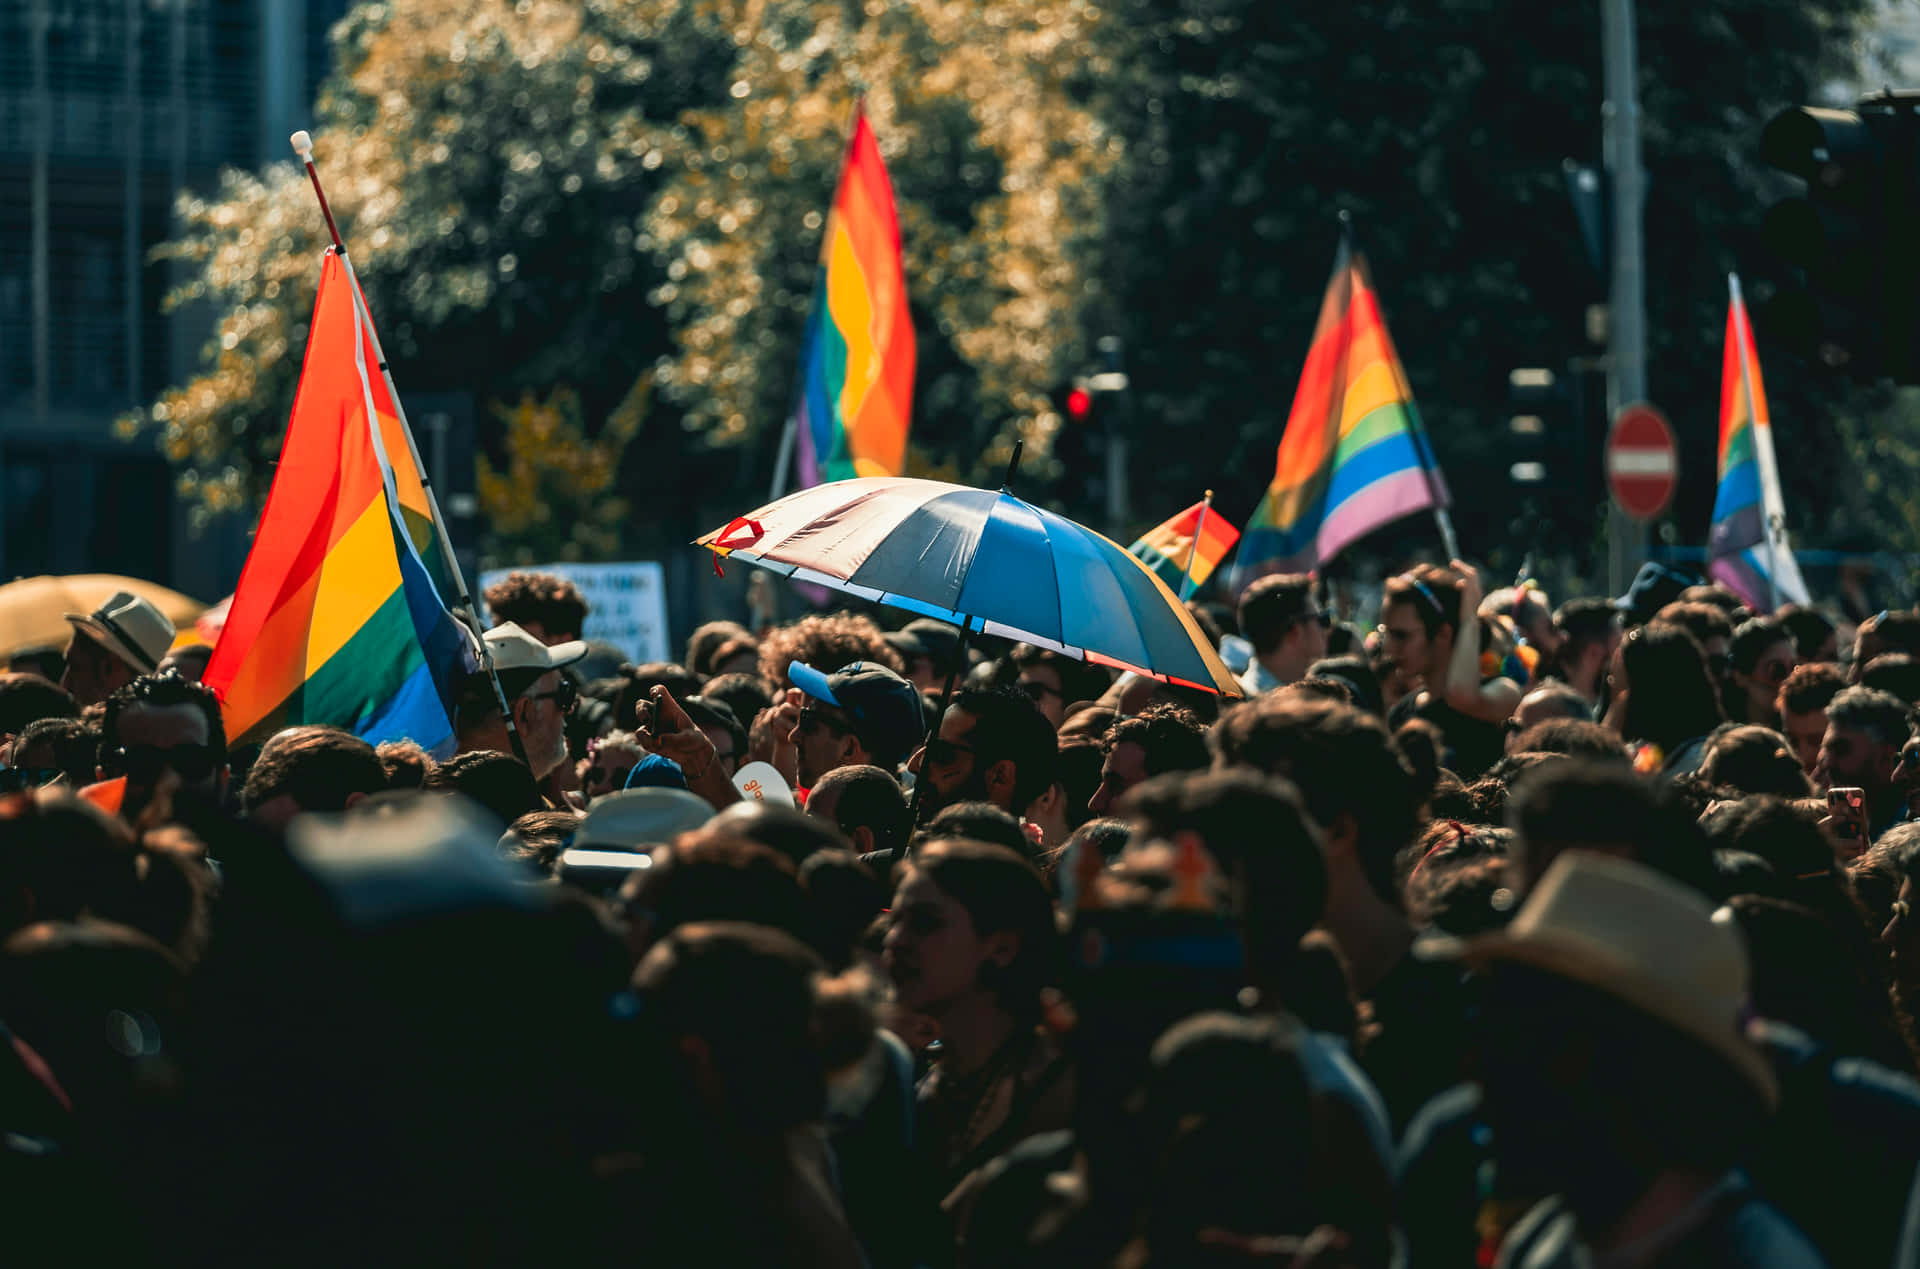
(855, 401)
(1172, 551)
(1353, 456)
(336, 619)
(1747, 549)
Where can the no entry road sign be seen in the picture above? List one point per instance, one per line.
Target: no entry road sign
(1643, 464)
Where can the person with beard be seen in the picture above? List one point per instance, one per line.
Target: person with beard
(994, 745)
(1620, 1086)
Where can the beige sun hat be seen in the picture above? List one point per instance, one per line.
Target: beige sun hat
(1623, 929)
(129, 627)
(514, 649)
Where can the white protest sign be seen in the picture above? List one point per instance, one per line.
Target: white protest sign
(762, 782)
(626, 603)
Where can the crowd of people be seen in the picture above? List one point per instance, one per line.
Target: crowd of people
(1498, 934)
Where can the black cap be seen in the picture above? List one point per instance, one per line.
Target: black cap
(885, 708)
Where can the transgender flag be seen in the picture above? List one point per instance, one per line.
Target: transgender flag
(856, 364)
(1353, 456)
(1747, 549)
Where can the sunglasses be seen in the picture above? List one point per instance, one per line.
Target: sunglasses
(144, 763)
(812, 720)
(564, 697)
(944, 753)
(1038, 690)
(16, 779)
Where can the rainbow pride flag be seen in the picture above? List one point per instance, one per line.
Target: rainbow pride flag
(336, 619)
(1353, 456)
(855, 401)
(1169, 549)
(1747, 548)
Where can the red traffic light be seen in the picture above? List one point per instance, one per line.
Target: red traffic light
(1079, 405)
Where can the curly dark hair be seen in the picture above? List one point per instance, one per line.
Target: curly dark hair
(552, 602)
(163, 691)
(1172, 738)
(827, 642)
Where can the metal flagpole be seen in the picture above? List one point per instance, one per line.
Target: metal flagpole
(464, 606)
(1193, 548)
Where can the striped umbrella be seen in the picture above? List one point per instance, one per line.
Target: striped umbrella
(985, 561)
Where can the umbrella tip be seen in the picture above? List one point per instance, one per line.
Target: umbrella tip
(1013, 465)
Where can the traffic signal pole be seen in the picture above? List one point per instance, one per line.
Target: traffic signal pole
(1627, 300)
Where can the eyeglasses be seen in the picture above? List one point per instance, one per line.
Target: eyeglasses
(15, 779)
(564, 697)
(144, 763)
(812, 720)
(944, 753)
(1036, 689)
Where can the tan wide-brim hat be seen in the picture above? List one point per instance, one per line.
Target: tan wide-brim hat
(514, 649)
(1648, 941)
(129, 627)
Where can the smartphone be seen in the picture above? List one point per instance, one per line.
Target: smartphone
(1847, 807)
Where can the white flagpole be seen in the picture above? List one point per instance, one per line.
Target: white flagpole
(1193, 548)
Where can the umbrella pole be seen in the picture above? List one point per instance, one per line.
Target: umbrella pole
(946, 698)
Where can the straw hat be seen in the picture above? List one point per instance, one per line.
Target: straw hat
(1625, 930)
(129, 627)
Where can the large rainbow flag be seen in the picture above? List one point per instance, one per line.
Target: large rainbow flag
(1747, 548)
(336, 619)
(1353, 456)
(1171, 551)
(855, 401)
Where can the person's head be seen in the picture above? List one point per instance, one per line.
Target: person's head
(722, 726)
(1710, 628)
(1714, 595)
(827, 642)
(309, 769)
(866, 804)
(1603, 808)
(1527, 609)
(745, 694)
(1865, 730)
(49, 750)
(1164, 738)
(158, 724)
(732, 1011)
(1575, 736)
(1589, 632)
(1802, 702)
(859, 715)
(1285, 624)
(1056, 681)
(1895, 673)
(1754, 760)
(1357, 786)
(549, 608)
(786, 829)
(1548, 701)
(1359, 676)
(537, 694)
(27, 698)
(1814, 635)
(1255, 829)
(189, 662)
(1763, 656)
(1456, 878)
(537, 839)
(1420, 618)
(994, 745)
(1897, 630)
(707, 639)
(978, 822)
(610, 760)
(971, 920)
(121, 639)
(634, 695)
(1671, 698)
(498, 782)
(1613, 1038)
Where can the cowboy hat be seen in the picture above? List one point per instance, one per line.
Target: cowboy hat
(129, 627)
(1625, 930)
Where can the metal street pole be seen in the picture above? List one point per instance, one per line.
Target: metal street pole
(1113, 378)
(1627, 300)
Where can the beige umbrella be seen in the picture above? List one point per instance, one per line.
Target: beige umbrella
(33, 610)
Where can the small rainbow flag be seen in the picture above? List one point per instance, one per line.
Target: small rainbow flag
(855, 401)
(1747, 548)
(1353, 456)
(1171, 551)
(336, 619)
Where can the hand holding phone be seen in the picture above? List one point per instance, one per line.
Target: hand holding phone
(1847, 810)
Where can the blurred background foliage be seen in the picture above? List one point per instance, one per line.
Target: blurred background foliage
(602, 219)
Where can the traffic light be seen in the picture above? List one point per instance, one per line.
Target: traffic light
(1850, 238)
(1551, 451)
(1080, 446)
(1535, 398)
